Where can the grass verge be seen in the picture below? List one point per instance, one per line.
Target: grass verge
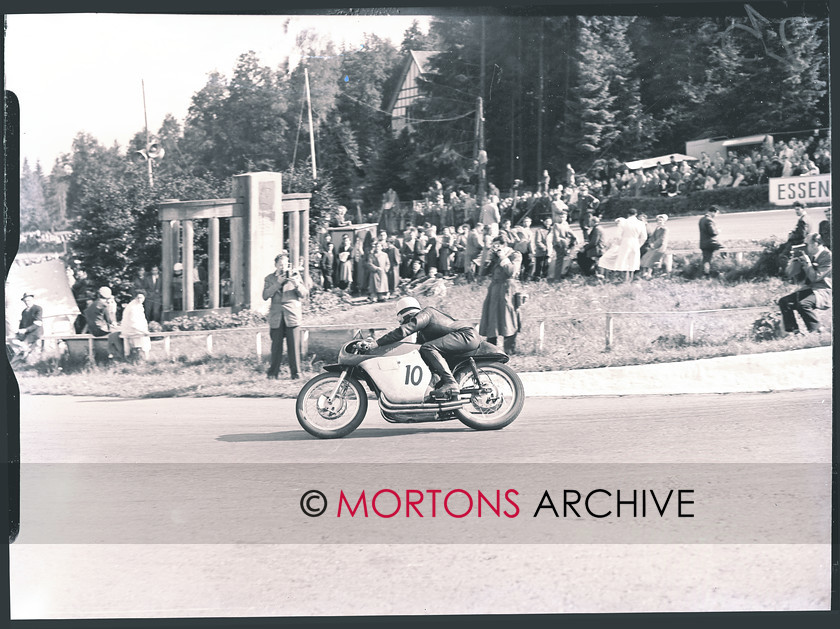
(574, 311)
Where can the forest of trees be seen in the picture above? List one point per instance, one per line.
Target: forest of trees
(556, 89)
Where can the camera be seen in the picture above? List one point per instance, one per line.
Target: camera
(797, 250)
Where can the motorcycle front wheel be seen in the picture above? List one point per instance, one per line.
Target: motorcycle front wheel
(327, 419)
(500, 402)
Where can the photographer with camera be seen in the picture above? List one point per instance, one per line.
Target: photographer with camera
(810, 263)
(499, 314)
(285, 288)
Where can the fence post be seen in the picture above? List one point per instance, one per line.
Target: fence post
(609, 331)
(210, 344)
(691, 331)
(90, 348)
(259, 345)
(166, 342)
(542, 335)
(668, 262)
(126, 351)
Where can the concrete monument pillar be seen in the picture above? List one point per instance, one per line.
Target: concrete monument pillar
(262, 195)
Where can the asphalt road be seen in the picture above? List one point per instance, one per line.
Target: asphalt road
(602, 436)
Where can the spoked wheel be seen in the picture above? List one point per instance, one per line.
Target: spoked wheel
(500, 401)
(327, 419)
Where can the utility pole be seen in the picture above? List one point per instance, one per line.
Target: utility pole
(146, 121)
(540, 103)
(479, 112)
(519, 107)
(512, 143)
(481, 69)
(482, 154)
(311, 133)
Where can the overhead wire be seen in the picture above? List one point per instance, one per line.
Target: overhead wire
(413, 120)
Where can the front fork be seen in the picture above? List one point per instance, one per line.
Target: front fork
(337, 386)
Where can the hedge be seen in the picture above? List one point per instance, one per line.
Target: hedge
(741, 199)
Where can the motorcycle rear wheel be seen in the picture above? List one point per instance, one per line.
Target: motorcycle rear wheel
(494, 410)
(331, 420)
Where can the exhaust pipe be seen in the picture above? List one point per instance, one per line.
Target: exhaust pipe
(423, 406)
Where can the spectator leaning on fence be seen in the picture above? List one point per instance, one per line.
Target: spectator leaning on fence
(810, 265)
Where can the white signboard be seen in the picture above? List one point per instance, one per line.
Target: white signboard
(811, 189)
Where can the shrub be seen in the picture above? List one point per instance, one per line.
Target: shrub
(755, 266)
(767, 327)
(743, 198)
(216, 321)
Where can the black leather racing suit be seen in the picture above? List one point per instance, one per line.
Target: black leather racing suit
(439, 335)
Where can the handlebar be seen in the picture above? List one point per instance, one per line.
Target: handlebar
(355, 347)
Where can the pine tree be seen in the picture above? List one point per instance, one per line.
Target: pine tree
(633, 125)
(33, 208)
(591, 124)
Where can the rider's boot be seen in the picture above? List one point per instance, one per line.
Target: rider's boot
(447, 387)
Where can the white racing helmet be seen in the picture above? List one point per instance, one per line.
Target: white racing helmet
(405, 304)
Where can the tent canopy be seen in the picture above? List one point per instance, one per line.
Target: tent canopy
(651, 162)
(48, 282)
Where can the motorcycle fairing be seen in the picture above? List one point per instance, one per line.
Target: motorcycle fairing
(400, 373)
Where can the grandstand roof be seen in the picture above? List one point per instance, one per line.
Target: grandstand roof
(651, 162)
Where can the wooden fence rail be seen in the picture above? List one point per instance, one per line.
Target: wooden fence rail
(76, 342)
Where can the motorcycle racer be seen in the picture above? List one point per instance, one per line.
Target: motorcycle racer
(438, 334)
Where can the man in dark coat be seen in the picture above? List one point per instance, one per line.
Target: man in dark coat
(587, 208)
(152, 286)
(824, 229)
(796, 236)
(395, 258)
(709, 242)
(100, 322)
(499, 316)
(591, 252)
(803, 225)
(31, 328)
(439, 336)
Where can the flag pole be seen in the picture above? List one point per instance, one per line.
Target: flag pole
(311, 133)
(146, 121)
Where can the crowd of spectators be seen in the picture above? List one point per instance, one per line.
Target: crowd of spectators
(750, 167)
(447, 233)
(421, 258)
(756, 164)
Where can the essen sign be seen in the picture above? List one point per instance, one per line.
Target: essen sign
(811, 189)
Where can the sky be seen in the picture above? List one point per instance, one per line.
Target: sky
(83, 72)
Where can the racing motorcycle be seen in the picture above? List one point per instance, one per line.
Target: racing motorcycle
(333, 404)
